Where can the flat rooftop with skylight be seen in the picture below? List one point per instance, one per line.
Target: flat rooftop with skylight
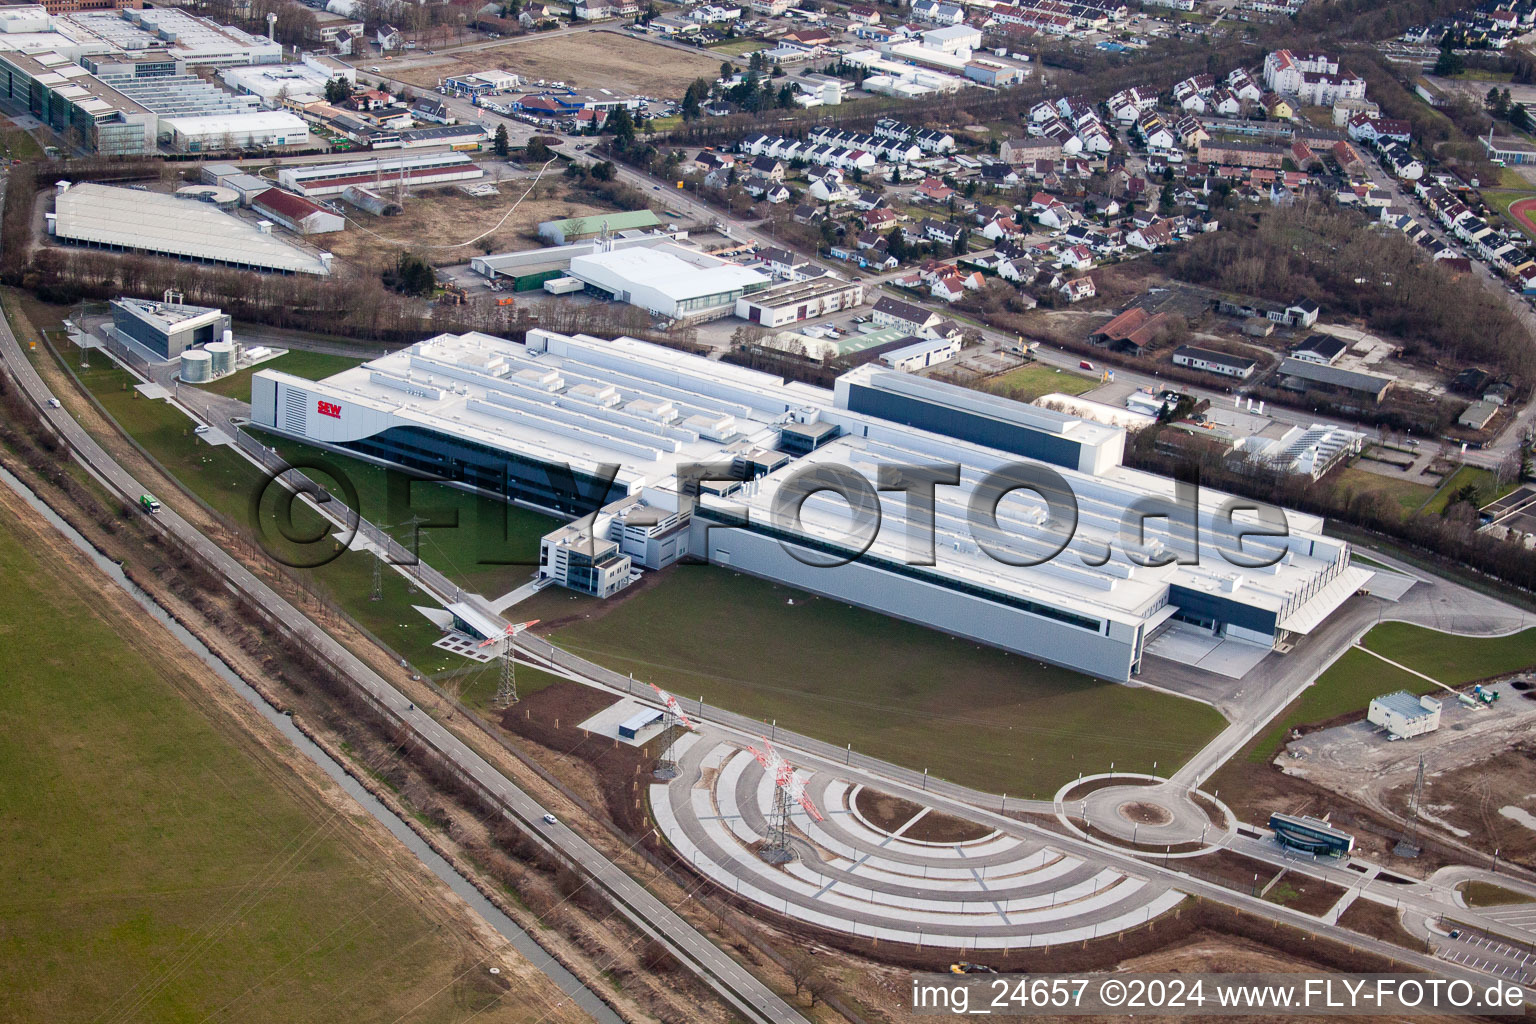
(579, 425)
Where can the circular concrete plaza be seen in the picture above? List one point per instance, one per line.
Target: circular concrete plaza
(983, 890)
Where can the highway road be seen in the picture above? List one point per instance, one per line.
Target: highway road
(738, 987)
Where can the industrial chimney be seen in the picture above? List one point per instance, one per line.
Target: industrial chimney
(271, 28)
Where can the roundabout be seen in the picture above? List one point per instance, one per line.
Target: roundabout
(1143, 814)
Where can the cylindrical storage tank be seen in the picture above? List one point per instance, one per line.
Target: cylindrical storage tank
(229, 337)
(223, 355)
(196, 366)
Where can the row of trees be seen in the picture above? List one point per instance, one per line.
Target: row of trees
(1452, 535)
(1316, 250)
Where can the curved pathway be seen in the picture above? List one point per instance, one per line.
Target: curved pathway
(1001, 889)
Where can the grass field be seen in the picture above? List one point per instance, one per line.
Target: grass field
(493, 549)
(1409, 496)
(227, 483)
(1350, 683)
(1449, 658)
(162, 865)
(1485, 484)
(737, 47)
(1486, 894)
(1347, 685)
(1028, 383)
(16, 144)
(309, 365)
(920, 698)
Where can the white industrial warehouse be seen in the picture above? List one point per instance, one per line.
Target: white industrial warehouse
(544, 418)
(668, 280)
(403, 169)
(128, 220)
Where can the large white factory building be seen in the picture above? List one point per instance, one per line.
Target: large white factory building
(577, 425)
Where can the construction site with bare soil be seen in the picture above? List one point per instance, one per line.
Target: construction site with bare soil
(583, 60)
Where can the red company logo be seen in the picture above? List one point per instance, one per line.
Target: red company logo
(330, 409)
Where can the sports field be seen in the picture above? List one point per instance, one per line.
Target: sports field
(162, 865)
(1520, 206)
(972, 714)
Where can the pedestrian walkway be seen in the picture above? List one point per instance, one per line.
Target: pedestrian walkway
(522, 593)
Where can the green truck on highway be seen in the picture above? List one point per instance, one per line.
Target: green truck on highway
(150, 504)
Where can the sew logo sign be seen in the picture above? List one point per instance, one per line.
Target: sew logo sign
(330, 409)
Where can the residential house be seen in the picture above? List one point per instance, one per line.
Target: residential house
(934, 190)
(890, 312)
(1277, 107)
(1075, 257)
(1077, 290)
(767, 168)
(1153, 236)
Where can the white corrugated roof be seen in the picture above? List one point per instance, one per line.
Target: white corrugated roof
(236, 124)
(669, 274)
(151, 222)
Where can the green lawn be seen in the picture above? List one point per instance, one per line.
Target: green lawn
(223, 479)
(1347, 685)
(1486, 894)
(309, 365)
(1449, 658)
(1029, 382)
(973, 714)
(475, 553)
(16, 144)
(737, 47)
(1350, 682)
(161, 865)
(1484, 483)
(227, 482)
(1409, 495)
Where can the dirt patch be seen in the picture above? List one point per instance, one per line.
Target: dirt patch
(1212, 810)
(934, 827)
(586, 60)
(1308, 895)
(1083, 789)
(1469, 798)
(552, 718)
(1143, 813)
(1254, 791)
(1379, 921)
(890, 813)
(436, 220)
(1232, 870)
(884, 811)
